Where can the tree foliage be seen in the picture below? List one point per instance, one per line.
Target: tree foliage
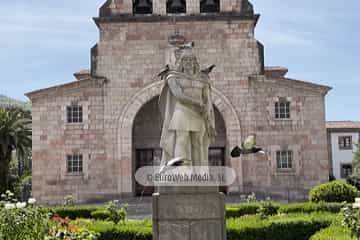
(356, 160)
(15, 134)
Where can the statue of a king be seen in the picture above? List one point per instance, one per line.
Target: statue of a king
(187, 110)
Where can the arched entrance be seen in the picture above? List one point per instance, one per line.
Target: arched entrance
(146, 138)
(125, 154)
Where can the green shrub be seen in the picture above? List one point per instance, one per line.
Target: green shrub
(310, 207)
(354, 180)
(19, 186)
(72, 212)
(351, 220)
(69, 200)
(116, 212)
(334, 232)
(100, 214)
(290, 227)
(336, 191)
(22, 223)
(267, 208)
(234, 211)
(129, 230)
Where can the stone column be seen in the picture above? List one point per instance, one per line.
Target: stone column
(192, 7)
(159, 7)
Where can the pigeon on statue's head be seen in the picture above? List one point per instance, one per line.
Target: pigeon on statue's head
(208, 70)
(164, 71)
(247, 147)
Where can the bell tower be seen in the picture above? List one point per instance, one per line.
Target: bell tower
(136, 37)
(165, 7)
(175, 14)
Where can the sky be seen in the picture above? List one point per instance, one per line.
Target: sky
(43, 42)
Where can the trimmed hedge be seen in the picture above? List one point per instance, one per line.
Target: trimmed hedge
(100, 214)
(288, 227)
(310, 207)
(232, 211)
(131, 230)
(333, 232)
(299, 227)
(336, 191)
(72, 212)
(242, 209)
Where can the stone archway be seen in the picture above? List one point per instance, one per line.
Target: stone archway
(124, 152)
(146, 150)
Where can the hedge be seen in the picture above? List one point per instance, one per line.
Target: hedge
(239, 210)
(131, 230)
(284, 227)
(232, 211)
(72, 212)
(299, 227)
(100, 214)
(333, 232)
(310, 207)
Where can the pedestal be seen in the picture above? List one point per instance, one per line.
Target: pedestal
(189, 216)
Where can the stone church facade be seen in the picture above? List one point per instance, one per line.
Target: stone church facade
(90, 135)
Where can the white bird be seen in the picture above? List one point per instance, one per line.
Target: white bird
(247, 147)
(175, 162)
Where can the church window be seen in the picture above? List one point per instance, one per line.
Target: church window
(176, 6)
(74, 114)
(74, 163)
(142, 7)
(345, 142)
(282, 109)
(284, 159)
(209, 6)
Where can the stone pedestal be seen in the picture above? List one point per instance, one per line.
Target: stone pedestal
(189, 216)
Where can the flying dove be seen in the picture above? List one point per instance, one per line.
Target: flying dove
(247, 147)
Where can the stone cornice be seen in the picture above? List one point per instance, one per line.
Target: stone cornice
(343, 130)
(227, 16)
(44, 91)
(308, 86)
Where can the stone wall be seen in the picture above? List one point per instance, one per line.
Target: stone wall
(53, 139)
(304, 134)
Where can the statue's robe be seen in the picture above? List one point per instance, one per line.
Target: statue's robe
(179, 116)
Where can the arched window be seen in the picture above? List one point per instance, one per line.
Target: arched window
(176, 6)
(209, 6)
(142, 7)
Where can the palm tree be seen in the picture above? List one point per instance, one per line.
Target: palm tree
(15, 134)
